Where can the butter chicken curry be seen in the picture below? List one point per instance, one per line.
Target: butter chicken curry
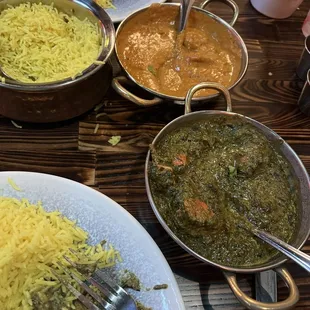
(153, 52)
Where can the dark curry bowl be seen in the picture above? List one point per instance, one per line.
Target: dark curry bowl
(119, 83)
(66, 99)
(299, 174)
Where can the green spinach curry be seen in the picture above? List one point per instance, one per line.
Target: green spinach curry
(214, 176)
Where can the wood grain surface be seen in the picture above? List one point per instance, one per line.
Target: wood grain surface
(268, 93)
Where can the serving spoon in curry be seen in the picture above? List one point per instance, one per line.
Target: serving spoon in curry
(296, 255)
(185, 9)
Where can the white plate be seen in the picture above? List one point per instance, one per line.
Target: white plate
(125, 7)
(103, 218)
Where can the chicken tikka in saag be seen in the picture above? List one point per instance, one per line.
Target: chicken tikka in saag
(211, 176)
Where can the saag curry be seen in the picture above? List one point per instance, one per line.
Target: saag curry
(212, 177)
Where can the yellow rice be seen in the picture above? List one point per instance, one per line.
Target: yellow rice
(40, 44)
(106, 4)
(32, 242)
(12, 183)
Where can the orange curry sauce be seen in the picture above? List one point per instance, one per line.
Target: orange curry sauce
(157, 57)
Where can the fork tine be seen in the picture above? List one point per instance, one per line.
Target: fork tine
(104, 288)
(111, 284)
(73, 264)
(122, 299)
(112, 287)
(114, 294)
(103, 302)
(85, 301)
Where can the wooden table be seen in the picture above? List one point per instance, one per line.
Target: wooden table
(268, 93)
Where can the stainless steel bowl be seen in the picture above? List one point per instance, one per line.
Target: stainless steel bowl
(60, 100)
(298, 171)
(119, 83)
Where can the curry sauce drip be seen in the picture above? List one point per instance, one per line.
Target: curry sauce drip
(210, 179)
(159, 58)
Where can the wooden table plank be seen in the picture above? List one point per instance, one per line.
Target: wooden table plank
(134, 137)
(38, 137)
(246, 8)
(121, 168)
(277, 91)
(73, 165)
(261, 28)
(275, 50)
(209, 295)
(284, 114)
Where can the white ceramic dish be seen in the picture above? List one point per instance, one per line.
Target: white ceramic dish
(276, 8)
(126, 7)
(103, 219)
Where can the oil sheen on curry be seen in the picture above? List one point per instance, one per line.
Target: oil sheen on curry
(157, 57)
(210, 179)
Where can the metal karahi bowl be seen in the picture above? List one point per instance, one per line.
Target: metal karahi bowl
(119, 83)
(298, 172)
(62, 100)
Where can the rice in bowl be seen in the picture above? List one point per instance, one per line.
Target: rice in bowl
(40, 44)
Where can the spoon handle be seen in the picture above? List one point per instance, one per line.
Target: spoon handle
(296, 255)
(184, 13)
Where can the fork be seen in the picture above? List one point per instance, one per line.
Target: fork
(116, 298)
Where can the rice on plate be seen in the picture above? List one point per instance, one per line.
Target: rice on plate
(106, 4)
(80, 211)
(32, 248)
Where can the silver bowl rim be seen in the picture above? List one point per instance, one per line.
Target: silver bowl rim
(253, 269)
(104, 19)
(180, 100)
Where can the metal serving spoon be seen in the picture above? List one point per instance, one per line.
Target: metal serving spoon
(296, 255)
(185, 8)
(5, 75)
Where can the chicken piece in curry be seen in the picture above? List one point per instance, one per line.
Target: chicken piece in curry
(212, 178)
(159, 58)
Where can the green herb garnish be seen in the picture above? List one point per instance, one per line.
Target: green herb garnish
(232, 171)
(151, 69)
(114, 140)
